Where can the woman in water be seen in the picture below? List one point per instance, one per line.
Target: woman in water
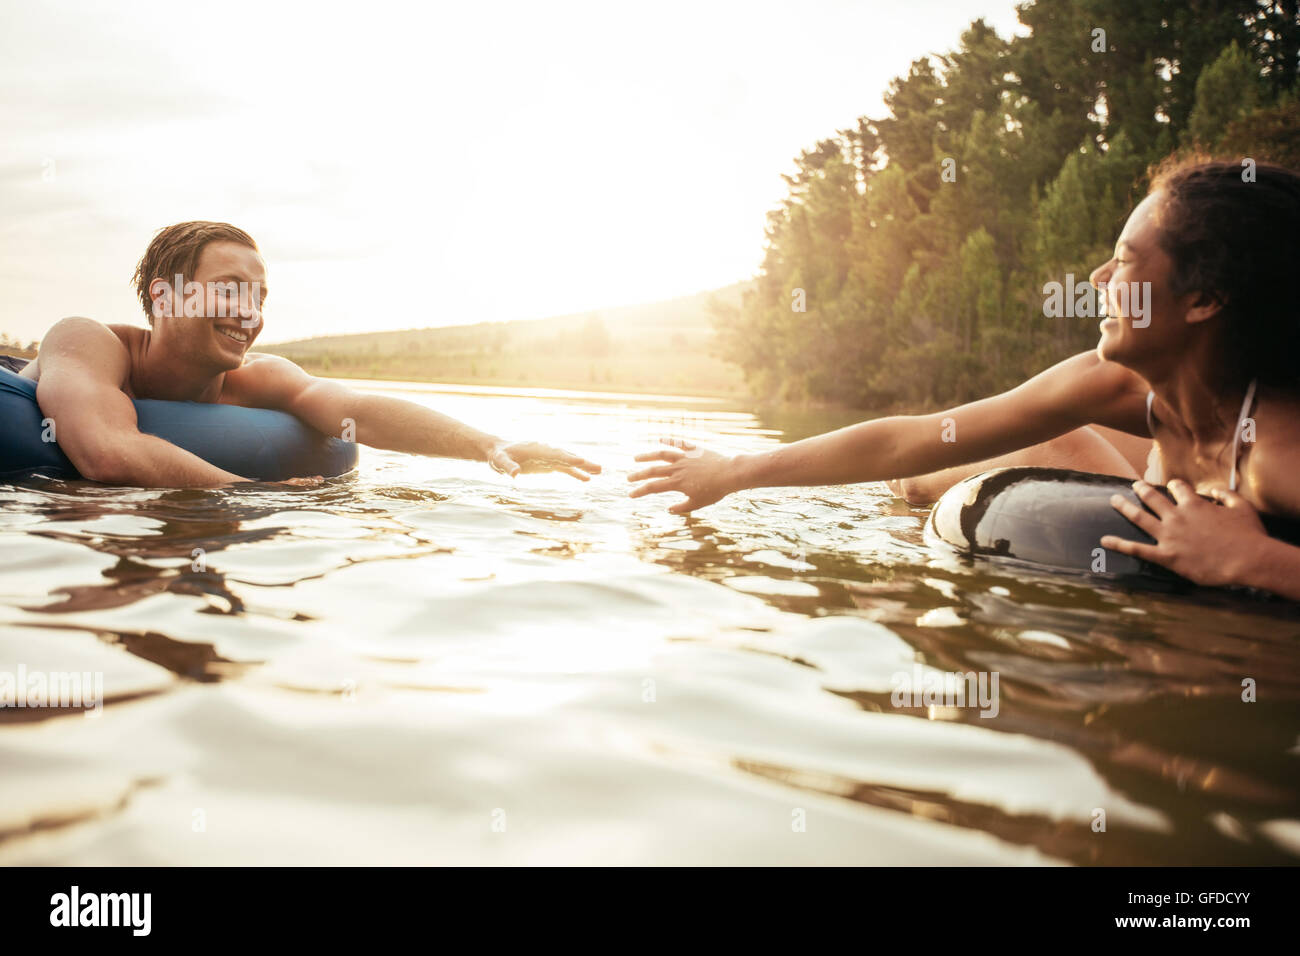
(1203, 384)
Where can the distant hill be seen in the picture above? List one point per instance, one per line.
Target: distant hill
(10, 346)
(665, 347)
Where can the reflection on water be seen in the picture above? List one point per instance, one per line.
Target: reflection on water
(427, 662)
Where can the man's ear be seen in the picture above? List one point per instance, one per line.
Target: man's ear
(1205, 305)
(161, 294)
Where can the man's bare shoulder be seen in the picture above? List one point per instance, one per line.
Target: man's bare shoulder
(85, 341)
(263, 381)
(79, 327)
(263, 366)
(129, 335)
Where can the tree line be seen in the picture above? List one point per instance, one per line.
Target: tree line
(906, 265)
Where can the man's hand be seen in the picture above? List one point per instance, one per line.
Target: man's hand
(1206, 543)
(313, 482)
(702, 476)
(533, 457)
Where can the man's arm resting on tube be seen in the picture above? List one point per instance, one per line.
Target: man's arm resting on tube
(83, 367)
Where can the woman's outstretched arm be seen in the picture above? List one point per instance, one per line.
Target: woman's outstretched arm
(1078, 391)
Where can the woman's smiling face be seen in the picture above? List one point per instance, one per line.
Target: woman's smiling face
(1143, 316)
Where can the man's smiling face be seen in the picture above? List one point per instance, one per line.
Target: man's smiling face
(232, 288)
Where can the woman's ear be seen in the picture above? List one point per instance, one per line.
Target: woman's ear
(1205, 305)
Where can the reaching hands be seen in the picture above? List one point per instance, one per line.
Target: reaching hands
(703, 476)
(533, 457)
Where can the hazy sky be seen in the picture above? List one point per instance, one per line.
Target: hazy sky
(408, 165)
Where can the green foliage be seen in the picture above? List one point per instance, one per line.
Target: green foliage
(918, 243)
(1271, 133)
(1228, 89)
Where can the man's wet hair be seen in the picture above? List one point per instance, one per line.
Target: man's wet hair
(176, 250)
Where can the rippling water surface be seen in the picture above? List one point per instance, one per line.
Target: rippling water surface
(425, 662)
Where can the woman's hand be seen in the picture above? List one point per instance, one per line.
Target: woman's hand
(532, 457)
(1206, 543)
(702, 476)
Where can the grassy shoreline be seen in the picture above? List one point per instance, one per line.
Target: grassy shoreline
(569, 385)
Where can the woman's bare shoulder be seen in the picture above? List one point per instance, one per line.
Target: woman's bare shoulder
(1271, 437)
(1105, 392)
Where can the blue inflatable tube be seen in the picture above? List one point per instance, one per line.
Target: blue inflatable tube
(255, 443)
(1054, 519)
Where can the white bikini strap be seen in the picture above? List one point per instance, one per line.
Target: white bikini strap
(1151, 425)
(1236, 438)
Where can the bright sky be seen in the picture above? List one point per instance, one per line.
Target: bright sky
(410, 165)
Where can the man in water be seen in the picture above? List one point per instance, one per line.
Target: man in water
(203, 287)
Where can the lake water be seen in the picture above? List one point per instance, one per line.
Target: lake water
(425, 662)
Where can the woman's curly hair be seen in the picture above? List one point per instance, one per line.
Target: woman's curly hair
(1232, 229)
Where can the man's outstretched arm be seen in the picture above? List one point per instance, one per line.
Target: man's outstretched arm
(269, 381)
